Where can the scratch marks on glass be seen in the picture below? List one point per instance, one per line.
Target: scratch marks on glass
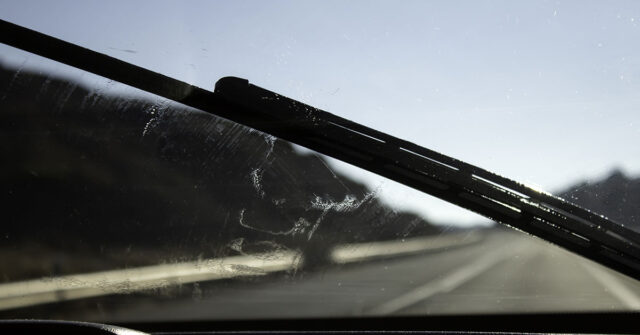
(149, 123)
(96, 95)
(44, 88)
(279, 202)
(236, 245)
(269, 139)
(13, 79)
(272, 232)
(332, 173)
(299, 227)
(349, 203)
(69, 91)
(256, 179)
(411, 226)
(304, 226)
(266, 250)
(154, 111)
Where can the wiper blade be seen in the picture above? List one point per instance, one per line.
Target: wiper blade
(486, 193)
(455, 181)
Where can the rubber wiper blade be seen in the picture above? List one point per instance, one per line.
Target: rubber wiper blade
(486, 193)
(468, 186)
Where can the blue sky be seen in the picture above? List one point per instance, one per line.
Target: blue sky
(545, 92)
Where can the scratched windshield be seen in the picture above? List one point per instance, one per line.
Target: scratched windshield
(119, 205)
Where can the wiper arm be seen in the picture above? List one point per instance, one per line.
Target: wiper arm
(447, 178)
(452, 180)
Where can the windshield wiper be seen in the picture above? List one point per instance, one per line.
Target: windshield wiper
(447, 178)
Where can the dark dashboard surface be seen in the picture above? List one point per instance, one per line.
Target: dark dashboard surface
(582, 323)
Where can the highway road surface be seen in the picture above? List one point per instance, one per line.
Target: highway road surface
(502, 272)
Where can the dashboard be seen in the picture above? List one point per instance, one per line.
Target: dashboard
(560, 323)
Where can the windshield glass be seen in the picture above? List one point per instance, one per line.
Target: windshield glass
(125, 206)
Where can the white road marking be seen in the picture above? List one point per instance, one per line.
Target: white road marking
(626, 296)
(366, 251)
(452, 280)
(45, 290)
(124, 281)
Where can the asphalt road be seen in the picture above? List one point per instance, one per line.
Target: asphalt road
(505, 272)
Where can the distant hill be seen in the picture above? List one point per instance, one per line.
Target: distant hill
(617, 196)
(86, 174)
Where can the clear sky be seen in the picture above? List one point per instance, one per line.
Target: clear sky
(545, 92)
